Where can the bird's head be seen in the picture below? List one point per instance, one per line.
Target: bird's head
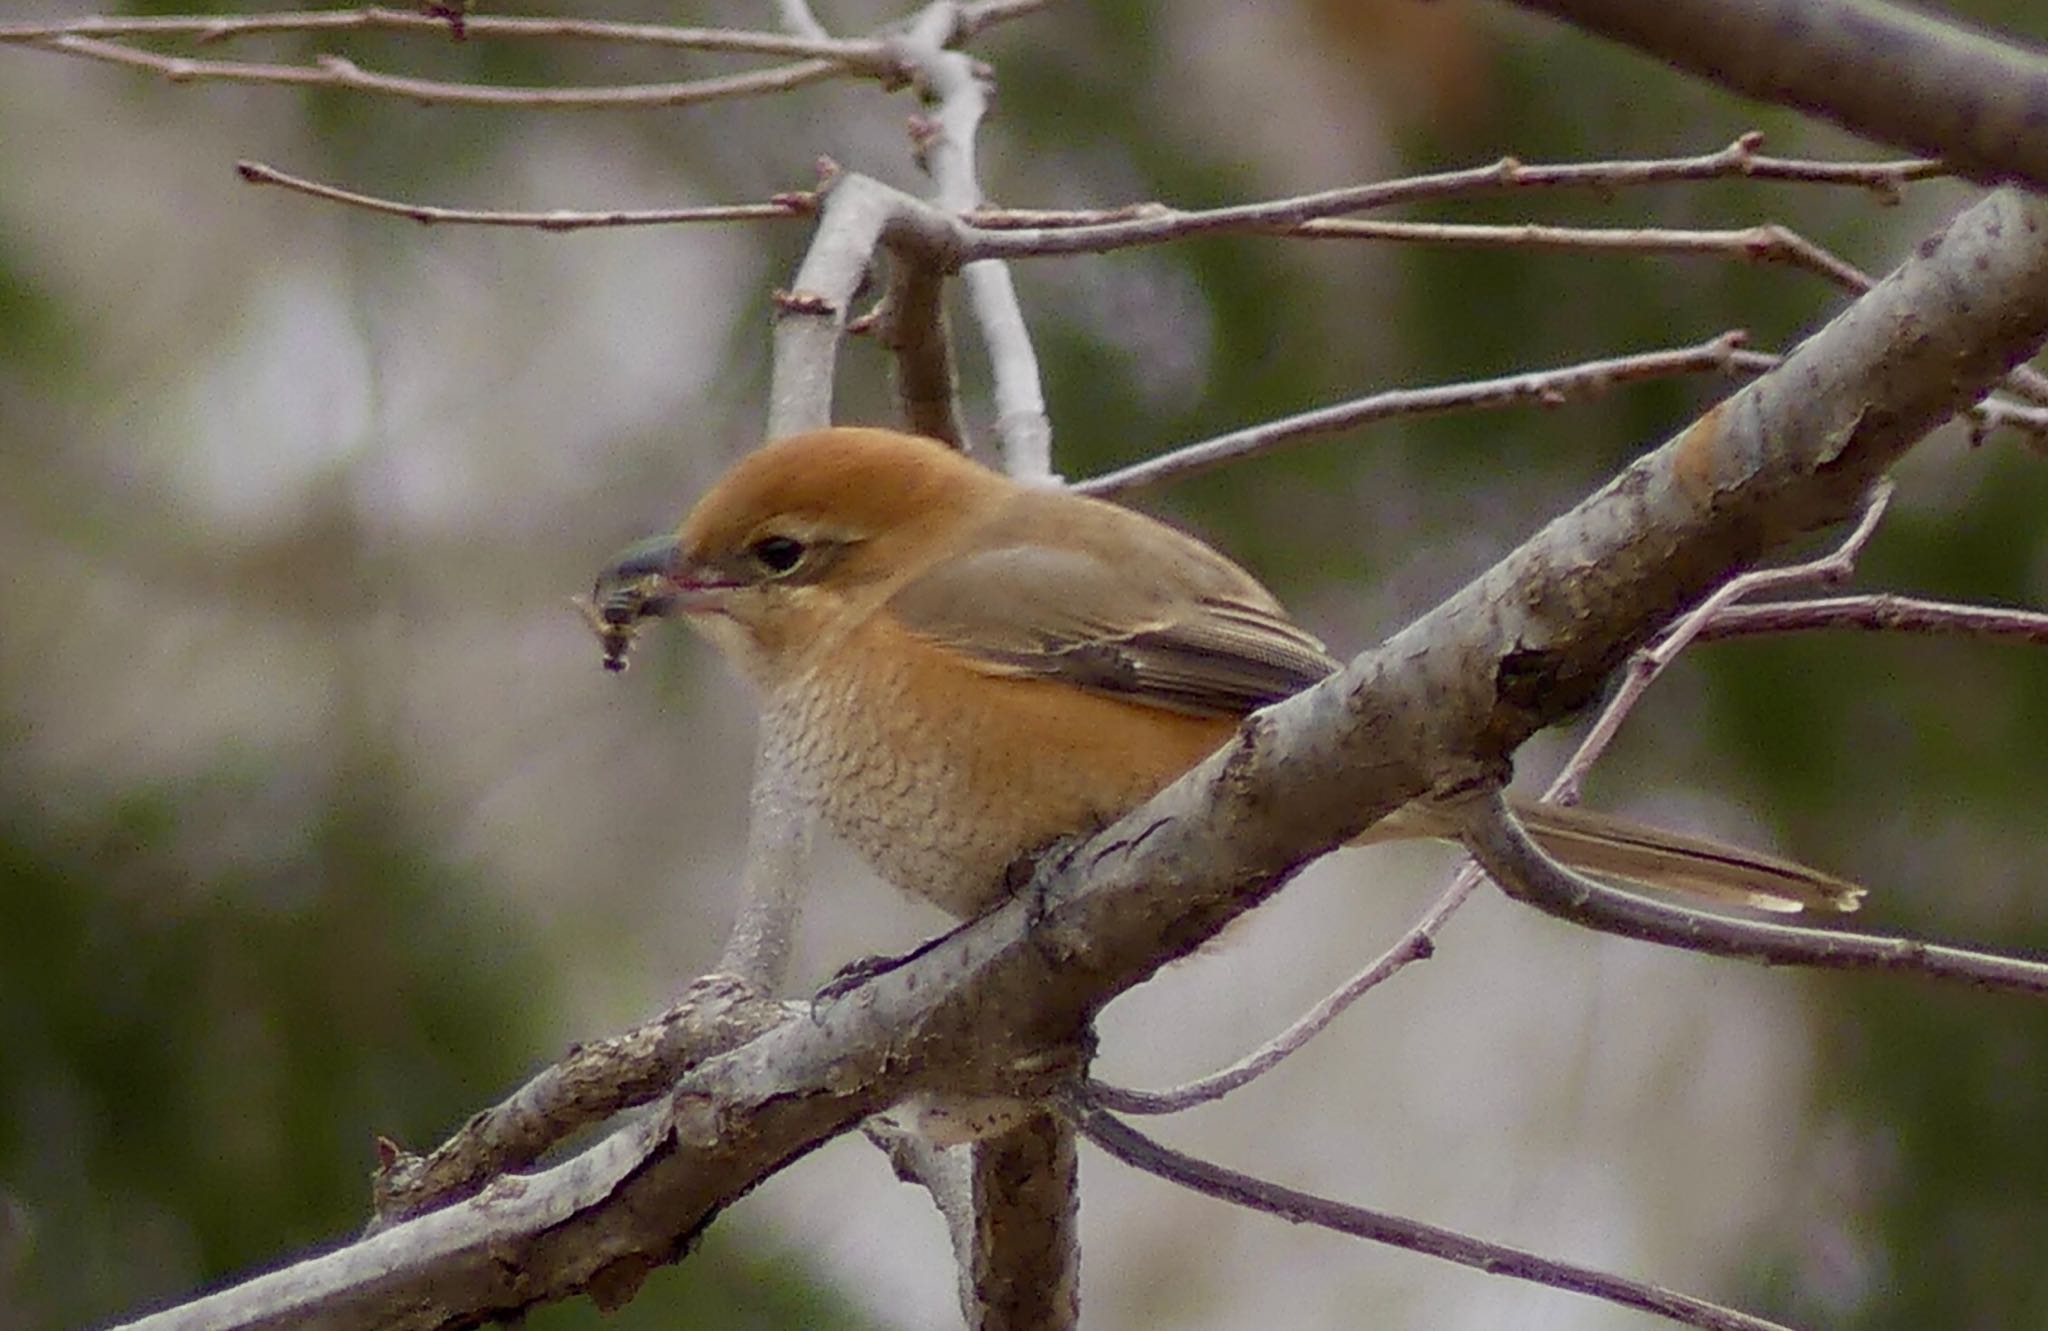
(793, 546)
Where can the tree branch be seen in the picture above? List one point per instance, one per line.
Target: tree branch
(336, 72)
(1135, 1149)
(958, 87)
(796, 204)
(594, 1082)
(911, 323)
(1528, 875)
(1900, 76)
(98, 38)
(1006, 234)
(1646, 665)
(865, 55)
(1882, 613)
(1588, 379)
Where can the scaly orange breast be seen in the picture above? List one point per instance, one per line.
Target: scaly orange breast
(942, 776)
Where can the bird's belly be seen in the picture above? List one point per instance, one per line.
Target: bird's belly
(943, 777)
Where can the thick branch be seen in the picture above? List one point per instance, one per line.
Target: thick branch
(1900, 76)
(1009, 1201)
(594, 1082)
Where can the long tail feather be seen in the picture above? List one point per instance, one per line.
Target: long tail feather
(1610, 847)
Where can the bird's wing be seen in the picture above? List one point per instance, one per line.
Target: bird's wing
(1133, 610)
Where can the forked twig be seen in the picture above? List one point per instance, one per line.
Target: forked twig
(1644, 666)
(1137, 1150)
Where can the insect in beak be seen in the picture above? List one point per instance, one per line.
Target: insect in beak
(636, 585)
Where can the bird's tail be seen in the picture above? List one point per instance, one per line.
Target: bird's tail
(1609, 847)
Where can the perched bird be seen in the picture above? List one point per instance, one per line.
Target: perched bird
(958, 670)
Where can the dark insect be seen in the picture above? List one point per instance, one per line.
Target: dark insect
(632, 588)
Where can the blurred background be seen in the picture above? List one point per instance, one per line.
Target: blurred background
(318, 819)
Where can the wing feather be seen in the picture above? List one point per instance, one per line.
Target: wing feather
(1138, 612)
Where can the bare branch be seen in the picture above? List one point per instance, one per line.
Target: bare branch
(1644, 667)
(1768, 243)
(867, 55)
(781, 830)
(1546, 388)
(856, 216)
(1135, 1149)
(333, 71)
(1765, 243)
(1882, 613)
(911, 323)
(1083, 233)
(798, 19)
(1417, 944)
(1534, 387)
(958, 86)
(593, 1082)
(1528, 875)
(785, 205)
(1010, 1203)
(1941, 87)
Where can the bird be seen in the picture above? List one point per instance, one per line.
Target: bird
(958, 670)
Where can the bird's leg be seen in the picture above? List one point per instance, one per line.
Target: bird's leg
(1025, 876)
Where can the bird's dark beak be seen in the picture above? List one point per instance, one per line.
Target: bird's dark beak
(638, 584)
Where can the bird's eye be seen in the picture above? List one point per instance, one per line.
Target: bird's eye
(777, 554)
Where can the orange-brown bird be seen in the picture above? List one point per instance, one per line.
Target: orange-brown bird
(958, 670)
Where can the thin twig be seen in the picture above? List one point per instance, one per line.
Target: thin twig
(1417, 944)
(868, 54)
(1548, 388)
(1883, 613)
(1137, 1150)
(1765, 243)
(1540, 387)
(1644, 667)
(1070, 233)
(331, 71)
(1525, 873)
(786, 205)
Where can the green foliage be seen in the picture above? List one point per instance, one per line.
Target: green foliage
(199, 1040)
(36, 336)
